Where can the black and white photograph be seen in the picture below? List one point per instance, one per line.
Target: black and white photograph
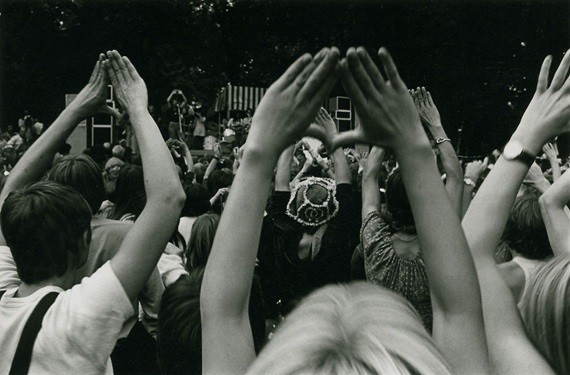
(284, 187)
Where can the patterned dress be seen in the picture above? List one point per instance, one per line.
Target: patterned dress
(383, 266)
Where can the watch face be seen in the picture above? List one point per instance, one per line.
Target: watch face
(512, 150)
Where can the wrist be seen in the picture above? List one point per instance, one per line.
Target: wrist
(532, 141)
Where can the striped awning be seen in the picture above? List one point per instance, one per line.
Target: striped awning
(239, 97)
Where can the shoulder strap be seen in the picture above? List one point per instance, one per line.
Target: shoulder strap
(23, 356)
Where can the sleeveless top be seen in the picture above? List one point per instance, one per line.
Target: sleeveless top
(529, 267)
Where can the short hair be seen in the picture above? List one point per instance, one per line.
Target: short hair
(201, 240)
(118, 151)
(545, 309)
(525, 231)
(180, 326)
(398, 213)
(82, 173)
(44, 225)
(354, 328)
(197, 200)
(179, 338)
(199, 172)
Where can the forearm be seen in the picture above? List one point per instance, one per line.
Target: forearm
(466, 198)
(283, 172)
(227, 280)
(452, 168)
(556, 171)
(370, 192)
(189, 160)
(341, 167)
(442, 241)
(211, 167)
(161, 177)
(448, 262)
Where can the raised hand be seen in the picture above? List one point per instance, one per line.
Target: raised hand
(290, 104)
(475, 169)
(128, 84)
(425, 106)
(550, 151)
(92, 98)
(549, 110)
(325, 120)
(386, 110)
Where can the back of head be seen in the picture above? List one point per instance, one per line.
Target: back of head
(130, 195)
(525, 231)
(199, 172)
(45, 225)
(82, 173)
(313, 202)
(545, 308)
(197, 200)
(179, 326)
(201, 240)
(398, 214)
(118, 151)
(357, 328)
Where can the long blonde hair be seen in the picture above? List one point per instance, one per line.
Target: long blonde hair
(356, 328)
(545, 308)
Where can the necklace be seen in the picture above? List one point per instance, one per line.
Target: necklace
(406, 241)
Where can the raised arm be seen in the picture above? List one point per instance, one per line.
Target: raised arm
(342, 173)
(546, 116)
(429, 113)
(555, 214)
(165, 197)
(473, 172)
(283, 115)
(390, 119)
(550, 152)
(370, 191)
(536, 177)
(37, 160)
(283, 172)
(214, 162)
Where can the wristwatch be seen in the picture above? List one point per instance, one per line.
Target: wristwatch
(469, 182)
(514, 150)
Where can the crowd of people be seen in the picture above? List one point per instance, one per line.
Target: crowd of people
(290, 251)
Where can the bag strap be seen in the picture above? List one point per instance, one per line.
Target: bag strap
(23, 356)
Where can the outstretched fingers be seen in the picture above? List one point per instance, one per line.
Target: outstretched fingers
(390, 67)
(131, 68)
(98, 69)
(294, 70)
(561, 72)
(350, 85)
(330, 74)
(326, 60)
(371, 68)
(542, 84)
(359, 73)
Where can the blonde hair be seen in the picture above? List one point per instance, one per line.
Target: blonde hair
(545, 308)
(356, 328)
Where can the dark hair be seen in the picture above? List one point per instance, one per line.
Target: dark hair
(398, 214)
(525, 231)
(180, 327)
(82, 173)
(201, 240)
(130, 195)
(179, 337)
(44, 225)
(197, 200)
(217, 180)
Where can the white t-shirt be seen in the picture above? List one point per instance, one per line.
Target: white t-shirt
(79, 330)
